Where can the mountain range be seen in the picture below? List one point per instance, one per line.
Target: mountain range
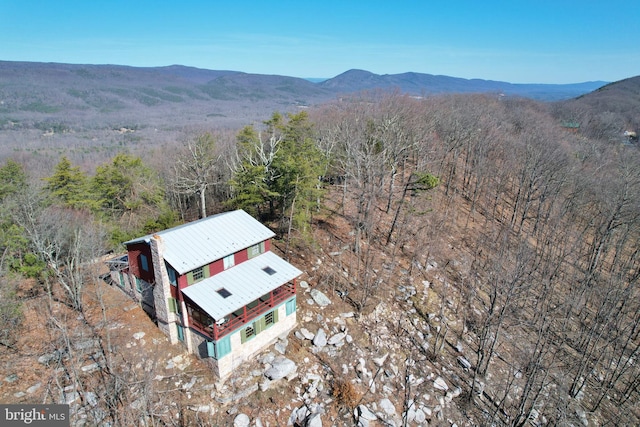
(97, 93)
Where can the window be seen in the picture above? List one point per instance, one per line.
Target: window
(198, 274)
(174, 305)
(291, 306)
(270, 271)
(229, 261)
(138, 284)
(247, 333)
(180, 332)
(223, 293)
(271, 318)
(255, 250)
(144, 262)
(173, 278)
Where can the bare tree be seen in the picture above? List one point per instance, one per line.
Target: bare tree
(198, 169)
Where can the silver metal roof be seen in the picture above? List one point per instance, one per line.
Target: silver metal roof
(201, 242)
(246, 282)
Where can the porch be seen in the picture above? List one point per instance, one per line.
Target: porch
(216, 329)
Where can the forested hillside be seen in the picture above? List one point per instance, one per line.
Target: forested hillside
(474, 240)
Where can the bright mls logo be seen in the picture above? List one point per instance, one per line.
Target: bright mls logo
(34, 415)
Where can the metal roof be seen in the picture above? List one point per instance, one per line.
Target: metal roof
(246, 282)
(201, 242)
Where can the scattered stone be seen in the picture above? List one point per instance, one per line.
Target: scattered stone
(582, 415)
(138, 335)
(320, 339)
(19, 394)
(420, 416)
(11, 378)
(306, 334)
(34, 388)
(241, 420)
(45, 359)
(321, 299)
(190, 384)
(310, 301)
(280, 367)
(280, 347)
(387, 407)
(379, 361)
(362, 412)
(313, 420)
(464, 362)
(440, 384)
(91, 367)
(337, 338)
(69, 398)
(303, 284)
(347, 315)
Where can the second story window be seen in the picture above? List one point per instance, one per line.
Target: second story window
(198, 274)
(228, 261)
(255, 250)
(173, 277)
(144, 262)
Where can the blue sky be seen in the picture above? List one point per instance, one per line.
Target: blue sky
(542, 41)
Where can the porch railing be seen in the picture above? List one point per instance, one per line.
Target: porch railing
(233, 321)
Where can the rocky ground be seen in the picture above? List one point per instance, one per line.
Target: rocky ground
(337, 367)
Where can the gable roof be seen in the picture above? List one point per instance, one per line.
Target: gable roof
(244, 282)
(201, 242)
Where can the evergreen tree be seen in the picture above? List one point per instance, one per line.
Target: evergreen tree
(13, 179)
(69, 186)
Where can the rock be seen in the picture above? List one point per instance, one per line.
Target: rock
(440, 384)
(138, 335)
(306, 334)
(320, 339)
(90, 368)
(420, 416)
(280, 367)
(314, 420)
(303, 284)
(582, 415)
(410, 415)
(34, 388)
(464, 362)
(379, 361)
(11, 378)
(280, 347)
(49, 357)
(91, 398)
(387, 407)
(241, 420)
(337, 338)
(267, 358)
(321, 299)
(190, 384)
(362, 412)
(347, 315)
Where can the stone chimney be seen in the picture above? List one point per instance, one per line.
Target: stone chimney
(162, 291)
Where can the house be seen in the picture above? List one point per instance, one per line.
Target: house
(214, 285)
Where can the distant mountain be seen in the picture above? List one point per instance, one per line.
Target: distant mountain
(53, 95)
(606, 113)
(428, 84)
